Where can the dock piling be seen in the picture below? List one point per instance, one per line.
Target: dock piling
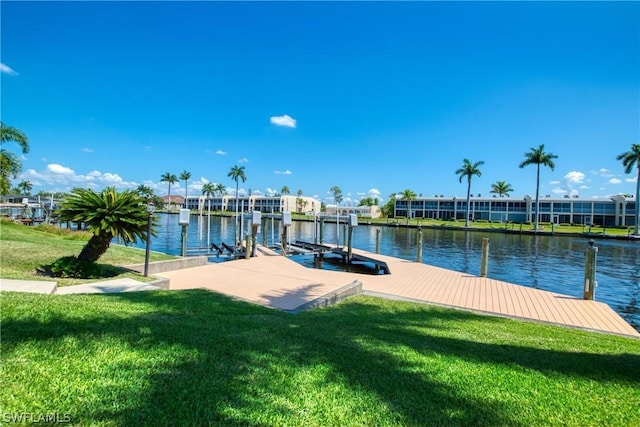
(485, 257)
(590, 258)
(419, 249)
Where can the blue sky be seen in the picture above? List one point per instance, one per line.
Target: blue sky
(374, 97)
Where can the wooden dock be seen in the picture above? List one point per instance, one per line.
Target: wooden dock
(278, 282)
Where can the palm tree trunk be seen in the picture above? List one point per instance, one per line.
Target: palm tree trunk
(95, 248)
(236, 219)
(635, 230)
(466, 218)
(535, 226)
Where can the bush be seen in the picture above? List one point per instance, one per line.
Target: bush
(70, 266)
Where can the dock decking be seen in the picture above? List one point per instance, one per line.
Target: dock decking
(278, 282)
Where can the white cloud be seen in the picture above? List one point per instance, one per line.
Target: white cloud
(243, 160)
(270, 191)
(574, 177)
(87, 150)
(559, 191)
(631, 180)
(220, 152)
(286, 121)
(286, 172)
(584, 187)
(59, 169)
(554, 182)
(7, 70)
(374, 192)
(615, 181)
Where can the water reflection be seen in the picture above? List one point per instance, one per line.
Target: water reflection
(550, 263)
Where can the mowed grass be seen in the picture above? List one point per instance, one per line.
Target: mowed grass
(185, 358)
(24, 249)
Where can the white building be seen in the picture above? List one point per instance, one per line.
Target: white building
(265, 204)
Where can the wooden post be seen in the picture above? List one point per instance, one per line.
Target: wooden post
(419, 250)
(283, 240)
(349, 245)
(590, 258)
(183, 237)
(254, 235)
(485, 257)
(264, 235)
(377, 240)
(247, 244)
(321, 230)
(344, 235)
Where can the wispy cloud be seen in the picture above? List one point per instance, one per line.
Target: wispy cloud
(632, 180)
(615, 181)
(220, 152)
(285, 120)
(286, 172)
(5, 69)
(87, 150)
(243, 160)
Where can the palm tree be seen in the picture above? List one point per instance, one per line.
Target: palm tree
(468, 170)
(285, 190)
(237, 173)
(25, 187)
(220, 189)
(185, 176)
(629, 159)
(501, 188)
(409, 196)
(10, 164)
(145, 191)
(107, 214)
(388, 209)
(299, 201)
(171, 179)
(537, 156)
(209, 190)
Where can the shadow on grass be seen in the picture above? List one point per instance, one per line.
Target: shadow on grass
(233, 363)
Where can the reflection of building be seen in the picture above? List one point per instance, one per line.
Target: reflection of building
(267, 204)
(616, 211)
(361, 211)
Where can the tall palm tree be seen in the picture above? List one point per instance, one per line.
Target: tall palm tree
(237, 173)
(629, 159)
(209, 190)
(107, 214)
(501, 188)
(285, 190)
(537, 156)
(171, 179)
(10, 164)
(409, 196)
(25, 187)
(468, 170)
(185, 176)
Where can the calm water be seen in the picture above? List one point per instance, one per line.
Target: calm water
(550, 263)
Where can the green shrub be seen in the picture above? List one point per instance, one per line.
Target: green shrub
(70, 266)
(481, 221)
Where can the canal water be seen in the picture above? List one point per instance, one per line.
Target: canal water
(543, 262)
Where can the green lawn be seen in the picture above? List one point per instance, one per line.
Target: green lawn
(197, 358)
(24, 249)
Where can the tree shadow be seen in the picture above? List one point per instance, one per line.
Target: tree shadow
(226, 350)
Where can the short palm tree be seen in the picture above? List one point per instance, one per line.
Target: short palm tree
(501, 188)
(185, 176)
(25, 187)
(10, 164)
(630, 159)
(220, 189)
(468, 170)
(237, 173)
(337, 197)
(537, 156)
(171, 179)
(209, 190)
(285, 190)
(145, 191)
(107, 214)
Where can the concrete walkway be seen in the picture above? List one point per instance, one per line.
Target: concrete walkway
(49, 288)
